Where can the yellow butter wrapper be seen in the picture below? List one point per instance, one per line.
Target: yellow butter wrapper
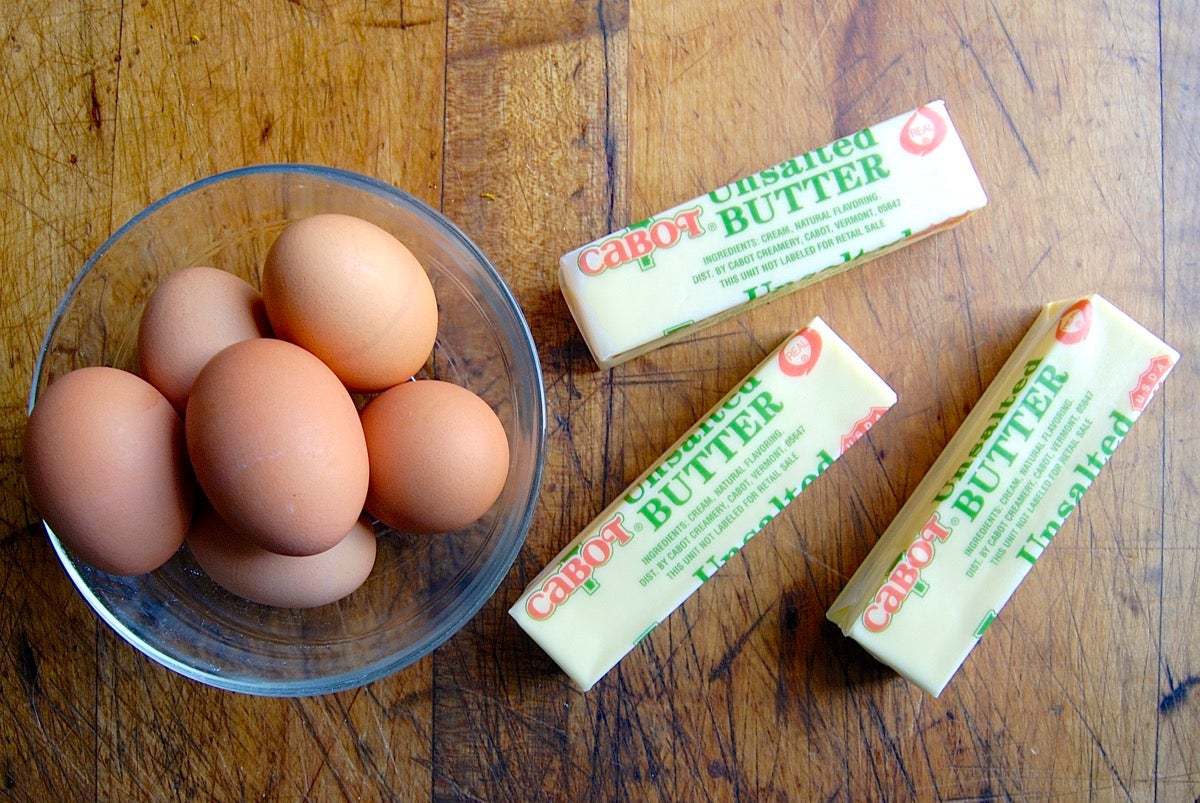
(777, 230)
(689, 513)
(1002, 488)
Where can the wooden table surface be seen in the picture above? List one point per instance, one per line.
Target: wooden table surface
(537, 127)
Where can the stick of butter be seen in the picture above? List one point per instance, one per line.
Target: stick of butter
(691, 511)
(1000, 491)
(785, 227)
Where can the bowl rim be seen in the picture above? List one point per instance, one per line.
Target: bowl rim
(502, 561)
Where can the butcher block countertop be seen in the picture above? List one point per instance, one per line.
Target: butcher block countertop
(537, 127)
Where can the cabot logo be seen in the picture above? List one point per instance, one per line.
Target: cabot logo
(905, 577)
(577, 569)
(1075, 323)
(923, 132)
(799, 357)
(639, 242)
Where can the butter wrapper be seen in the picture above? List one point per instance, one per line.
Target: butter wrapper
(701, 502)
(775, 231)
(1002, 488)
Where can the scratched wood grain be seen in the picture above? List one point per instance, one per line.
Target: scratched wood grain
(1177, 762)
(539, 126)
(525, 188)
(111, 106)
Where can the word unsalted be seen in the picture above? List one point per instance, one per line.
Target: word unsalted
(784, 227)
(701, 502)
(1002, 488)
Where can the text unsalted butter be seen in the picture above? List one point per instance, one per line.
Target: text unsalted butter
(701, 502)
(1001, 490)
(785, 227)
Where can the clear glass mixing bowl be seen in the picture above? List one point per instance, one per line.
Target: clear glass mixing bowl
(423, 589)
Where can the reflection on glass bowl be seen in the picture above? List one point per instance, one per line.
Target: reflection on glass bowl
(423, 588)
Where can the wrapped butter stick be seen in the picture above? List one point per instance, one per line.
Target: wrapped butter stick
(995, 498)
(701, 502)
(777, 230)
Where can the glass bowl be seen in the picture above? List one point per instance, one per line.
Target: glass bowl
(423, 589)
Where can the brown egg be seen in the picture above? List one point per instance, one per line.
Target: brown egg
(276, 444)
(240, 566)
(193, 314)
(107, 468)
(439, 456)
(353, 295)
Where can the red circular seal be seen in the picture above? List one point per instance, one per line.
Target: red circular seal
(923, 132)
(800, 355)
(1075, 323)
